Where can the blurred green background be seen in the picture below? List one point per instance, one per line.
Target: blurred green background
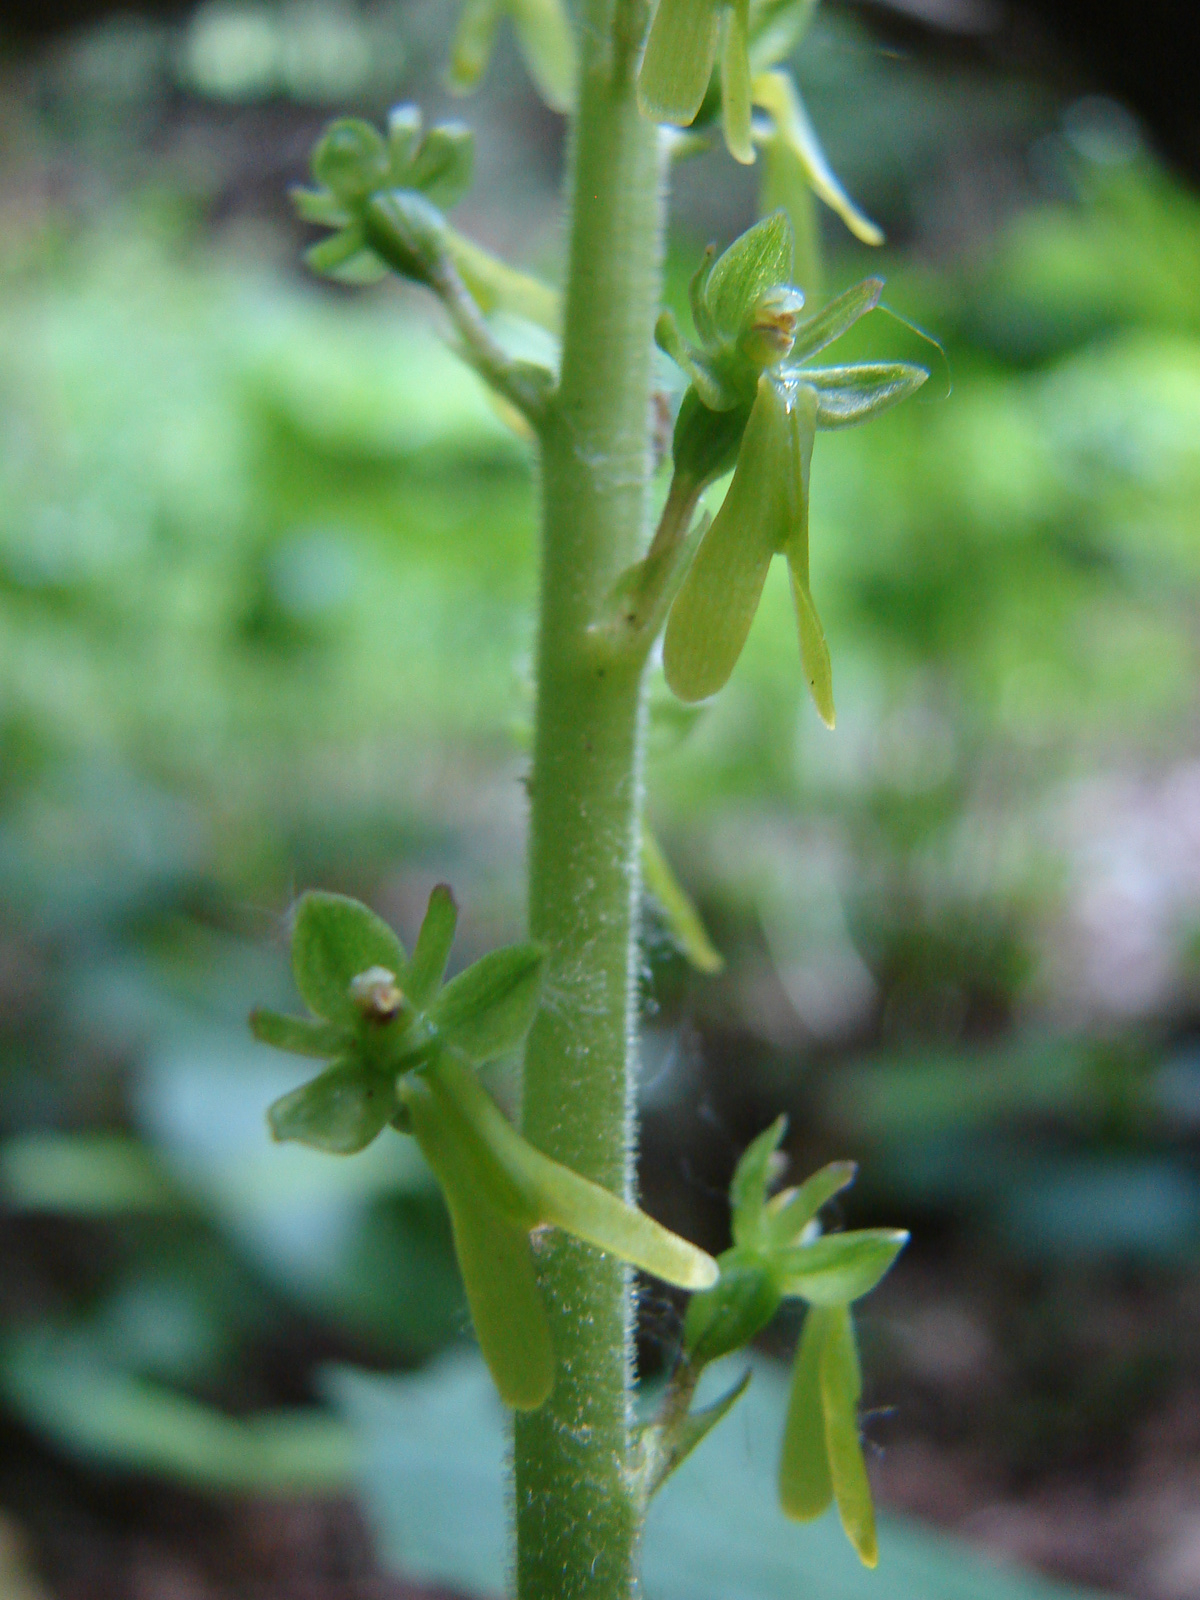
(267, 570)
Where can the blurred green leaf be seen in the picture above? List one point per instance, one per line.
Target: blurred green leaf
(435, 1441)
(84, 1174)
(101, 1415)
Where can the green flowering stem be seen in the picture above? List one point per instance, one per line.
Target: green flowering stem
(577, 1503)
(642, 596)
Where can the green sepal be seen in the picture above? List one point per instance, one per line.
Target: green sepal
(665, 1446)
(474, 41)
(318, 206)
(331, 256)
(841, 1390)
(805, 1485)
(548, 47)
(735, 82)
(846, 395)
(759, 259)
(535, 1191)
(835, 319)
(351, 159)
(680, 53)
(488, 1009)
(334, 940)
(713, 611)
(432, 949)
(726, 1317)
(840, 1267)
(788, 1213)
(443, 166)
(679, 913)
(403, 139)
(299, 1035)
(751, 1177)
(340, 1111)
(776, 94)
(716, 395)
(493, 1255)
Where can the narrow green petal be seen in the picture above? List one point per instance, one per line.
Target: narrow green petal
(494, 1258)
(840, 1267)
(548, 46)
(536, 1191)
(758, 260)
(319, 206)
(337, 251)
(432, 949)
(333, 940)
(805, 1486)
(789, 1213)
(474, 40)
(403, 140)
(814, 652)
(679, 58)
(833, 320)
(735, 82)
(713, 611)
(299, 1035)
(846, 395)
(681, 916)
(341, 1111)
(841, 1389)
(698, 295)
(776, 94)
(748, 1191)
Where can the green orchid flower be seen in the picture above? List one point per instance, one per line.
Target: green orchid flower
(779, 1253)
(756, 405)
(402, 1048)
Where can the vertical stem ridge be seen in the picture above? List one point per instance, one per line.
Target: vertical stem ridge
(576, 1509)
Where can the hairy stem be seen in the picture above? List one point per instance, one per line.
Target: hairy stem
(577, 1503)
